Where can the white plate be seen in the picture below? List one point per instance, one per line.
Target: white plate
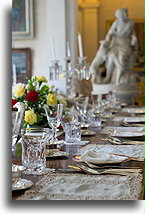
(110, 129)
(133, 110)
(129, 119)
(127, 134)
(22, 184)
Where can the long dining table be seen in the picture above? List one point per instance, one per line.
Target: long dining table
(60, 164)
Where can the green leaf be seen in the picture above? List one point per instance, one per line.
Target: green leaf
(31, 87)
(43, 89)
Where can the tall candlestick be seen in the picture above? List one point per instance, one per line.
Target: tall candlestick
(68, 50)
(52, 49)
(14, 75)
(80, 45)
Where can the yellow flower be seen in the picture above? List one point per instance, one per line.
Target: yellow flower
(19, 90)
(30, 117)
(41, 79)
(51, 99)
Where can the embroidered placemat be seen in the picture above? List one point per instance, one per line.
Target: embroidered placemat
(78, 186)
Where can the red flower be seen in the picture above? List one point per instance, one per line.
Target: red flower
(13, 103)
(32, 96)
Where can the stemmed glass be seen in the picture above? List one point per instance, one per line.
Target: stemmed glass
(82, 109)
(54, 120)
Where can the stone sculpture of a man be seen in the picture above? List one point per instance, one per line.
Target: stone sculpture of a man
(117, 51)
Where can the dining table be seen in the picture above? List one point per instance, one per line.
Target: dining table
(61, 164)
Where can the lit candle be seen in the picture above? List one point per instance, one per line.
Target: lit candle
(68, 50)
(52, 48)
(80, 45)
(14, 75)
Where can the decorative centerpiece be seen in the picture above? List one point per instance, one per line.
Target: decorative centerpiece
(35, 94)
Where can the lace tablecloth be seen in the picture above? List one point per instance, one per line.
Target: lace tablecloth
(62, 186)
(136, 151)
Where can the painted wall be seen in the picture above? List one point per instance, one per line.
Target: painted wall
(50, 17)
(108, 7)
(38, 44)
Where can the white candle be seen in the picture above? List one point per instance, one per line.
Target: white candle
(14, 75)
(80, 45)
(52, 49)
(68, 50)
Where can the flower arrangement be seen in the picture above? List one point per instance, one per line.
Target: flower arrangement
(35, 94)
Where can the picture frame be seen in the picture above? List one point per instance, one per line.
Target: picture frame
(22, 19)
(21, 65)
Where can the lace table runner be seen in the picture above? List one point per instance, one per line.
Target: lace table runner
(62, 186)
(129, 150)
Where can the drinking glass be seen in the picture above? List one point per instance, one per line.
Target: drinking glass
(82, 109)
(72, 132)
(33, 149)
(95, 117)
(54, 120)
(96, 100)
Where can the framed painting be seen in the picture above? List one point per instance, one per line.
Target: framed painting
(21, 65)
(22, 19)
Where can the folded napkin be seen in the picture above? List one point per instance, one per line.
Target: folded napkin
(95, 157)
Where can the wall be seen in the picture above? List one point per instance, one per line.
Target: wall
(108, 7)
(38, 43)
(88, 26)
(50, 18)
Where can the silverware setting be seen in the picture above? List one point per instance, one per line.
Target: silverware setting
(91, 165)
(96, 170)
(114, 140)
(117, 141)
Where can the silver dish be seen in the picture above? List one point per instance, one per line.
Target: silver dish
(16, 173)
(22, 184)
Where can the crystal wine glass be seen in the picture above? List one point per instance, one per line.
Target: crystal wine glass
(54, 120)
(82, 109)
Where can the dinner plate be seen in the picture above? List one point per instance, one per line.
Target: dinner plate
(125, 159)
(133, 110)
(22, 184)
(127, 134)
(124, 131)
(58, 154)
(129, 119)
(121, 128)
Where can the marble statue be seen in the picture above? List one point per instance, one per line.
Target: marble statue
(117, 52)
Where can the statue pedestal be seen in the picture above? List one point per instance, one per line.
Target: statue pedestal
(123, 91)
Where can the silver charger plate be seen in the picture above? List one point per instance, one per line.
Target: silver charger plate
(22, 184)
